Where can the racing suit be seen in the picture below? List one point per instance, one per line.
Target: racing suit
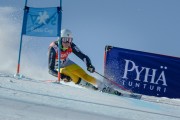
(68, 67)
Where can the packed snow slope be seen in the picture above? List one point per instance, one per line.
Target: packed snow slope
(29, 99)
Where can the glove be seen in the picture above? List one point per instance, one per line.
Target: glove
(90, 68)
(65, 78)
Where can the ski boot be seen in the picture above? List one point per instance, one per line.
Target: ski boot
(86, 85)
(107, 89)
(111, 91)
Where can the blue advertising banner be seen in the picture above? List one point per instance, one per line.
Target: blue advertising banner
(41, 22)
(143, 73)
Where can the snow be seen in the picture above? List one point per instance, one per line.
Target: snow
(30, 99)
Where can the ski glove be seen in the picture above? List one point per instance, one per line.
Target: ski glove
(65, 78)
(90, 68)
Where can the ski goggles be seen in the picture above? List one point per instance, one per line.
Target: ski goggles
(66, 39)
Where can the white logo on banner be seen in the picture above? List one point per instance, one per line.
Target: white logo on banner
(151, 79)
(42, 23)
(42, 18)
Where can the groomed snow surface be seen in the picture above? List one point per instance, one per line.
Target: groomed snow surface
(29, 99)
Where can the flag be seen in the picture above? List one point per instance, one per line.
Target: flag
(41, 22)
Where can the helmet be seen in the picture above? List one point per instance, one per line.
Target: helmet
(66, 33)
(66, 36)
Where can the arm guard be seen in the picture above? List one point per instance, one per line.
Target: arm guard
(81, 55)
(51, 62)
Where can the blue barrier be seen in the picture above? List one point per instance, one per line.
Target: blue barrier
(142, 72)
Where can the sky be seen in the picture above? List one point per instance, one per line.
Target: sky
(143, 25)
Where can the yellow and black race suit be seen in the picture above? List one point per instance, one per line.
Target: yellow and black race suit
(68, 67)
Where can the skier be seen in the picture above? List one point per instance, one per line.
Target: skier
(69, 70)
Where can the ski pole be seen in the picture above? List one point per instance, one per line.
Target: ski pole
(113, 82)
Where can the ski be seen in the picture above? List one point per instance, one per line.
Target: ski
(128, 95)
(135, 96)
(121, 94)
(107, 89)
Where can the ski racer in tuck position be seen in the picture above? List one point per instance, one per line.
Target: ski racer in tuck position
(69, 70)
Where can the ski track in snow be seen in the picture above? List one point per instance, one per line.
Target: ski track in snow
(77, 101)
